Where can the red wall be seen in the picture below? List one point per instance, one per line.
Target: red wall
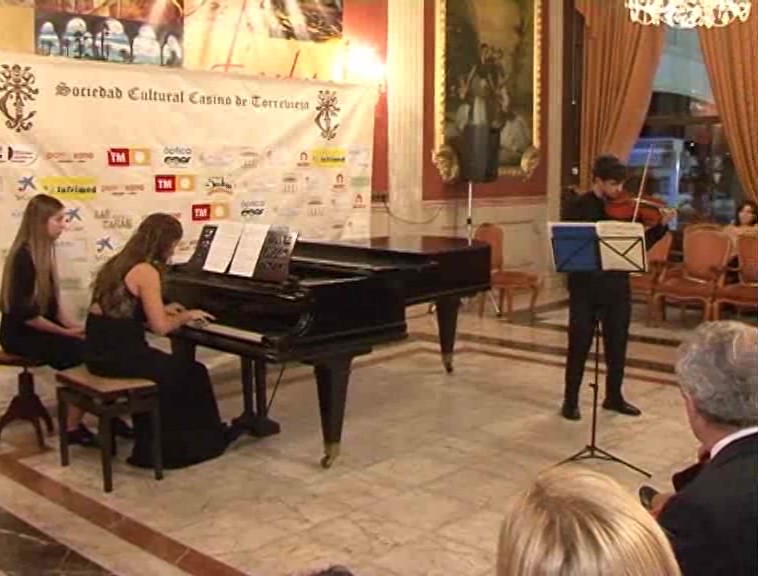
(434, 188)
(365, 22)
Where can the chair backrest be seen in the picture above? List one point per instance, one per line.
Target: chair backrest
(661, 249)
(492, 235)
(700, 227)
(705, 250)
(747, 255)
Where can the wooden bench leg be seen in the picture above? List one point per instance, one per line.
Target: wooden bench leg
(155, 419)
(62, 427)
(106, 450)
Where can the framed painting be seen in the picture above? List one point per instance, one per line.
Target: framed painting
(487, 70)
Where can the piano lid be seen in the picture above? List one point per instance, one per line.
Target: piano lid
(429, 245)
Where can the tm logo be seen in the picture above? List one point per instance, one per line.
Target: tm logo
(104, 244)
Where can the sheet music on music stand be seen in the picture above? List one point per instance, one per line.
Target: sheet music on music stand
(258, 251)
(598, 246)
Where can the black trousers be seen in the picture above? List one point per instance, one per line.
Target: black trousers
(604, 296)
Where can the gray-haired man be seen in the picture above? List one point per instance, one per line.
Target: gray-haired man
(713, 519)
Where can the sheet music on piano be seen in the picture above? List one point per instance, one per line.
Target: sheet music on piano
(249, 250)
(223, 246)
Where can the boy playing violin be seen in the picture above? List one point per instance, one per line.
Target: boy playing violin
(602, 295)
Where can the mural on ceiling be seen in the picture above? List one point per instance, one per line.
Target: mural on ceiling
(300, 38)
(486, 58)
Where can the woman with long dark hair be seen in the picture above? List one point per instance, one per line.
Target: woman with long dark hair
(126, 297)
(34, 323)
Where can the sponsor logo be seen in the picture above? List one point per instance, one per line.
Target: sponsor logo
(113, 221)
(339, 183)
(26, 185)
(289, 184)
(214, 211)
(252, 208)
(287, 211)
(17, 154)
(69, 157)
(17, 87)
(105, 245)
(304, 161)
(315, 207)
(250, 158)
(216, 158)
(124, 157)
(122, 189)
(218, 185)
(177, 156)
(328, 157)
(360, 182)
(174, 183)
(73, 218)
(360, 156)
(70, 187)
(358, 202)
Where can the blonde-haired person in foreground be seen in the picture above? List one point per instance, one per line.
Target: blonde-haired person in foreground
(575, 522)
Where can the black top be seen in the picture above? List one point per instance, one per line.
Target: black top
(713, 521)
(21, 305)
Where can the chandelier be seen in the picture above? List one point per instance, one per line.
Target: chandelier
(688, 13)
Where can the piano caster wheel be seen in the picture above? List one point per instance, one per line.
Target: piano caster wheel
(447, 362)
(331, 451)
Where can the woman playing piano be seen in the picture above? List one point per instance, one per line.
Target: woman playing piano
(126, 297)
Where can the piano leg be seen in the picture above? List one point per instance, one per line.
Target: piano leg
(332, 377)
(255, 421)
(447, 321)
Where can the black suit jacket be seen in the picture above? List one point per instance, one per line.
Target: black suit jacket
(713, 521)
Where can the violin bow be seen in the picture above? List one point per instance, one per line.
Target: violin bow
(642, 184)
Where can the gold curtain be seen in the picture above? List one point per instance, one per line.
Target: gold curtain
(620, 62)
(731, 57)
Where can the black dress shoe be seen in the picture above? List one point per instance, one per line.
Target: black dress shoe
(82, 436)
(647, 493)
(570, 411)
(622, 407)
(122, 429)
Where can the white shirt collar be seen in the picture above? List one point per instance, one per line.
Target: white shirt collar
(721, 444)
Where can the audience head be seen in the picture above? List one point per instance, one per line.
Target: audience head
(153, 242)
(746, 213)
(41, 225)
(716, 369)
(333, 571)
(575, 522)
(608, 175)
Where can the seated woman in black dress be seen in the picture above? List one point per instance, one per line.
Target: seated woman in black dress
(34, 323)
(127, 296)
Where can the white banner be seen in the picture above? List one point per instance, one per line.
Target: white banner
(117, 143)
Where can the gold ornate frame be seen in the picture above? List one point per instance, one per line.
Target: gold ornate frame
(442, 154)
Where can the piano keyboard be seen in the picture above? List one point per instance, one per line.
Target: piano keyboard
(223, 330)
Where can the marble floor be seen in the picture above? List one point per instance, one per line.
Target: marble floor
(429, 461)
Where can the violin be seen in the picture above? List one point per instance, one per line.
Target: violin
(645, 209)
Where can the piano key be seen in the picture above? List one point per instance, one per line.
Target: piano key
(230, 331)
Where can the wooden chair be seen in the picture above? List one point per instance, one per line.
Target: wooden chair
(706, 252)
(646, 283)
(108, 398)
(26, 405)
(743, 294)
(506, 282)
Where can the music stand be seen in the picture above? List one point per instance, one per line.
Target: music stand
(598, 247)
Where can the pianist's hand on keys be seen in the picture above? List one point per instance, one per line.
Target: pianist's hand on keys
(197, 317)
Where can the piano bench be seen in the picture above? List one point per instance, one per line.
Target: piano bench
(26, 405)
(107, 398)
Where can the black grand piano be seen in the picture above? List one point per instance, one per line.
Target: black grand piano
(340, 300)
